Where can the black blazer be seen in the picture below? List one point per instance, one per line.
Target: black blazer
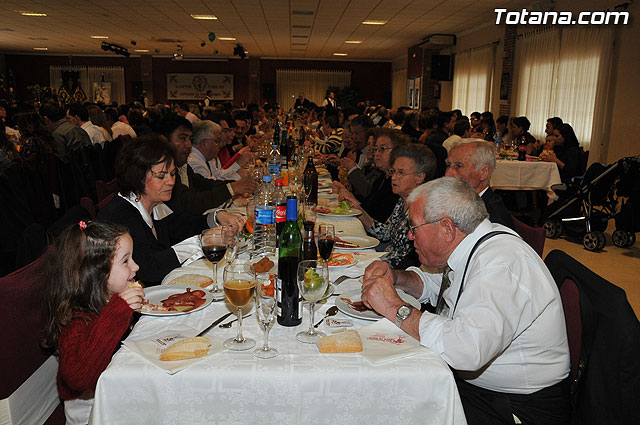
(498, 212)
(381, 201)
(155, 257)
(201, 195)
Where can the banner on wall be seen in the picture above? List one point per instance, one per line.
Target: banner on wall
(195, 86)
(102, 92)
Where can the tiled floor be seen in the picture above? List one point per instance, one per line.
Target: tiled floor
(620, 266)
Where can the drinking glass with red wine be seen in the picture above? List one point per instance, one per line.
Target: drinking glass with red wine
(214, 243)
(326, 239)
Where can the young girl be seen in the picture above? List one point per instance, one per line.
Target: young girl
(90, 304)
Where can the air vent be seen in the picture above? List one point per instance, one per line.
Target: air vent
(167, 40)
(300, 36)
(302, 12)
(301, 26)
(298, 44)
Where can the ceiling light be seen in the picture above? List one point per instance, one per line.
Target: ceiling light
(28, 13)
(205, 17)
(40, 48)
(227, 38)
(142, 50)
(298, 44)
(302, 12)
(99, 36)
(340, 54)
(300, 26)
(353, 42)
(373, 22)
(300, 36)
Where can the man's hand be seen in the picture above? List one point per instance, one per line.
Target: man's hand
(244, 185)
(245, 156)
(234, 220)
(337, 186)
(378, 269)
(348, 162)
(253, 142)
(379, 293)
(345, 195)
(333, 159)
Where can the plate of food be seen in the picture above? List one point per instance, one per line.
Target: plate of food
(350, 303)
(342, 209)
(341, 259)
(355, 242)
(167, 300)
(191, 280)
(261, 265)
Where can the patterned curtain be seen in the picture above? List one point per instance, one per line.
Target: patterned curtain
(312, 82)
(86, 77)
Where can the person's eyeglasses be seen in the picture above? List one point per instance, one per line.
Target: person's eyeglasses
(381, 149)
(162, 174)
(399, 173)
(412, 228)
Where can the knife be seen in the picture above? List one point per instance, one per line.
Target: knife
(224, 316)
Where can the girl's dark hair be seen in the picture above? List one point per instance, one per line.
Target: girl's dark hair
(77, 272)
(568, 135)
(138, 157)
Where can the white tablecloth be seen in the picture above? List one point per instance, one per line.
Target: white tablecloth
(524, 175)
(300, 385)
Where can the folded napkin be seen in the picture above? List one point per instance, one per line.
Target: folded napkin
(150, 348)
(383, 342)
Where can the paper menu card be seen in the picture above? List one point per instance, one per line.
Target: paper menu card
(383, 342)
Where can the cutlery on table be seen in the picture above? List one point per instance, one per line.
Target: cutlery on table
(229, 323)
(220, 319)
(341, 279)
(331, 312)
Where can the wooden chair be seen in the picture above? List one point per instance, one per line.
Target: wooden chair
(105, 189)
(534, 236)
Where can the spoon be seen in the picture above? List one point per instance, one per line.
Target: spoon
(331, 312)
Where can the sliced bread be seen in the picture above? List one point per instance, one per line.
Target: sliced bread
(343, 342)
(187, 348)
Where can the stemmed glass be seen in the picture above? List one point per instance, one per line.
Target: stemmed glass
(309, 215)
(214, 243)
(313, 278)
(239, 287)
(326, 239)
(266, 311)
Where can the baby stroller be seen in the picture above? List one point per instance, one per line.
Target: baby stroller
(587, 203)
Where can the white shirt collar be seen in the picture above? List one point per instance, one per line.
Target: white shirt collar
(483, 191)
(159, 211)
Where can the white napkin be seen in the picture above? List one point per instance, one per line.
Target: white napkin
(383, 342)
(151, 348)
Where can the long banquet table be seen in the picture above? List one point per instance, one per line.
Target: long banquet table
(300, 385)
(524, 175)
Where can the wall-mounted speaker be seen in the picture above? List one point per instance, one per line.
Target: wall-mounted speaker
(441, 68)
(268, 91)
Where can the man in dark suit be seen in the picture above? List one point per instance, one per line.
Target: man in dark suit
(302, 101)
(193, 192)
(473, 160)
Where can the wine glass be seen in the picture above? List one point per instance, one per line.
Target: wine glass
(313, 278)
(326, 239)
(239, 287)
(266, 311)
(309, 215)
(214, 243)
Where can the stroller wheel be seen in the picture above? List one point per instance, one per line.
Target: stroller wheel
(552, 229)
(620, 238)
(594, 241)
(632, 239)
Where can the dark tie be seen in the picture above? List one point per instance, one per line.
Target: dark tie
(209, 167)
(443, 286)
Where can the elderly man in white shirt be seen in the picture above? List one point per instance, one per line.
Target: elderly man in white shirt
(207, 140)
(498, 319)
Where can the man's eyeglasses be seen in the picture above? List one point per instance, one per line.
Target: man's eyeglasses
(399, 173)
(162, 174)
(412, 228)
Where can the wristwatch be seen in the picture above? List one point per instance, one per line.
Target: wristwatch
(402, 314)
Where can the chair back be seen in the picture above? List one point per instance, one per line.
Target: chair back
(571, 304)
(105, 189)
(534, 236)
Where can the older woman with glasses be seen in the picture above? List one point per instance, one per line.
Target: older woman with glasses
(413, 164)
(163, 239)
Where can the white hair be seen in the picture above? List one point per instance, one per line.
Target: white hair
(202, 129)
(485, 153)
(451, 197)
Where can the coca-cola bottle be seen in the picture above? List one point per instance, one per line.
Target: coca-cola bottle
(280, 201)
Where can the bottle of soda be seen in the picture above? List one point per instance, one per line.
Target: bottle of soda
(522, 149)
(310, 181)
(288, 294)
(280, 201)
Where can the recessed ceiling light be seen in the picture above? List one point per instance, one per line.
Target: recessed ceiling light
(302, 12)
(340, 54)
(99, 36)
(40, 48)
(206, 17)
(300, 36)
(142, 50)
(353, 42)
(298, 44)
(29, 13)
(373, 22)
(300, 26)
(227, 38)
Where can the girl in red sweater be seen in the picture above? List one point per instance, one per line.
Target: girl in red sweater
(90, 301)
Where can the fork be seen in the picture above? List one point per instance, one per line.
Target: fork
(341, 279)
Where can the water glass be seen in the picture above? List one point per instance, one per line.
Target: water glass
(313, 279)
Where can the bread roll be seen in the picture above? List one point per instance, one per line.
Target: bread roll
(343, 342)
(191, 279)
(135, 284)
(187, 348)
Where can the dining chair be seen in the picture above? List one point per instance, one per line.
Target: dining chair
(104, 189)
(534, 236)
(603, 335)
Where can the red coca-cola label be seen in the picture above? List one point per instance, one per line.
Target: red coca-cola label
(281, 213)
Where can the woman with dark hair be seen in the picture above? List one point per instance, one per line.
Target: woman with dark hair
(97, 118)
(566, 152)
(163, 239)
(410, 126)
(35, 137)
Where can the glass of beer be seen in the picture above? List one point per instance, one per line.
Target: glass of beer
(239, 289)
(313, 279)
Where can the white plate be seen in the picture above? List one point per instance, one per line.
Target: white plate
(156, 294)
(363, 242)
(353, 262)
(354, 296)
(272, 270)
(353, 212)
